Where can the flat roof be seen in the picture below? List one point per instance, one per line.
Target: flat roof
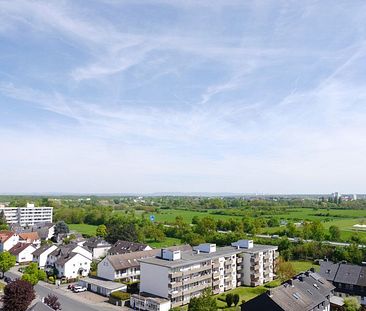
(191, 257)
(103, 283)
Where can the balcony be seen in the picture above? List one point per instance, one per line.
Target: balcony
(175, 274)
(197, 279)
(195, 288)
(202, 268)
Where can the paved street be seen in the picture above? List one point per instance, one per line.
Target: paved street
(69, 301)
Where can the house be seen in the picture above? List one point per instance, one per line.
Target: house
(40, 255)
(123, 247)
(64, 250)
(8, 239)
(71, 261)
(72, 266)
(102, 287)
(98, 247)
(30, 237)
(305, 292)
(124, 267)
(23, 252)
(148, 302)
(45, 230)
(183, 274)
(40, 306)
(348, 279)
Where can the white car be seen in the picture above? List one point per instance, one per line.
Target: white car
(79, 289)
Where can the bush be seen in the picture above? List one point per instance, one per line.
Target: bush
(120, 295)
(51, 279)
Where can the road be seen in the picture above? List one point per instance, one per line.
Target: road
(67, 303)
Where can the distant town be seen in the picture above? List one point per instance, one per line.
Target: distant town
(184, 252)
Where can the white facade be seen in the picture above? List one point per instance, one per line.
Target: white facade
(51, 259)
(9, 243)
(141, 302)
(41, 259)
(78, 265)
(148, 280)
(26, 255)
(99, 252)
(27, 216)
(108, 272)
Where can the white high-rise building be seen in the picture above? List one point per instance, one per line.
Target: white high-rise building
(28, 215)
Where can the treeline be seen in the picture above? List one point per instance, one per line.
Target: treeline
(84, 215)
(317, 250)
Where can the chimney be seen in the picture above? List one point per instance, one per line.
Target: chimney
(270, 293)
(291, 282)
(312, 269)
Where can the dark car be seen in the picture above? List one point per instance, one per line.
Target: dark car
(71, 286)
(7, 279)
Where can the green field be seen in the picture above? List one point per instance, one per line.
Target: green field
(344, 219)
(83, 228)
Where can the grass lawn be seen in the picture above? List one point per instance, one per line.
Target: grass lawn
(83, 228)
(302, 266)
(245, 293)
(166, 243)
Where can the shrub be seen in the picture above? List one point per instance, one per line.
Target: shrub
(120, 295)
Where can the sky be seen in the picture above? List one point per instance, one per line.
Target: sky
(144, 96)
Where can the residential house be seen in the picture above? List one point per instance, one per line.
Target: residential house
(8, 239)
(23, 252)
(45, 230)
(72, 265)
(40, 255)
(40, 306)
(306, 292)
(124, 267)
(123, 247)
(348, 279)
(183, 275)
(98, 247)
(71, 261)
(30, 237)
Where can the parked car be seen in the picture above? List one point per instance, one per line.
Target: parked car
(79, 289)
(7, 279)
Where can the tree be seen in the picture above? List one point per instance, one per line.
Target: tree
(205, 302)
(7, 261)
(33, 274)
(101, 231)
(229, 299)
(61, 228)
(236, 299)
(3, 222)
(124, 228)
(285, 270)
(351, 304)
(335, 233)
(18, 295)
(52, 302)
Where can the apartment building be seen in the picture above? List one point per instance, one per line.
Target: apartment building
(27, 216)
(184, 275)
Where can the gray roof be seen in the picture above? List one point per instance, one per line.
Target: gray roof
(343, 273)
(348, 274)
(41, 250)
(64, 259)
(303, 293)
(328, 270)
(189, 257)
(130, 260)
(96, 242)
(103, 283)
(40, 306)
(123, 247)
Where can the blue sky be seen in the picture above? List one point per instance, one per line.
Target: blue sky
(217, 96)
